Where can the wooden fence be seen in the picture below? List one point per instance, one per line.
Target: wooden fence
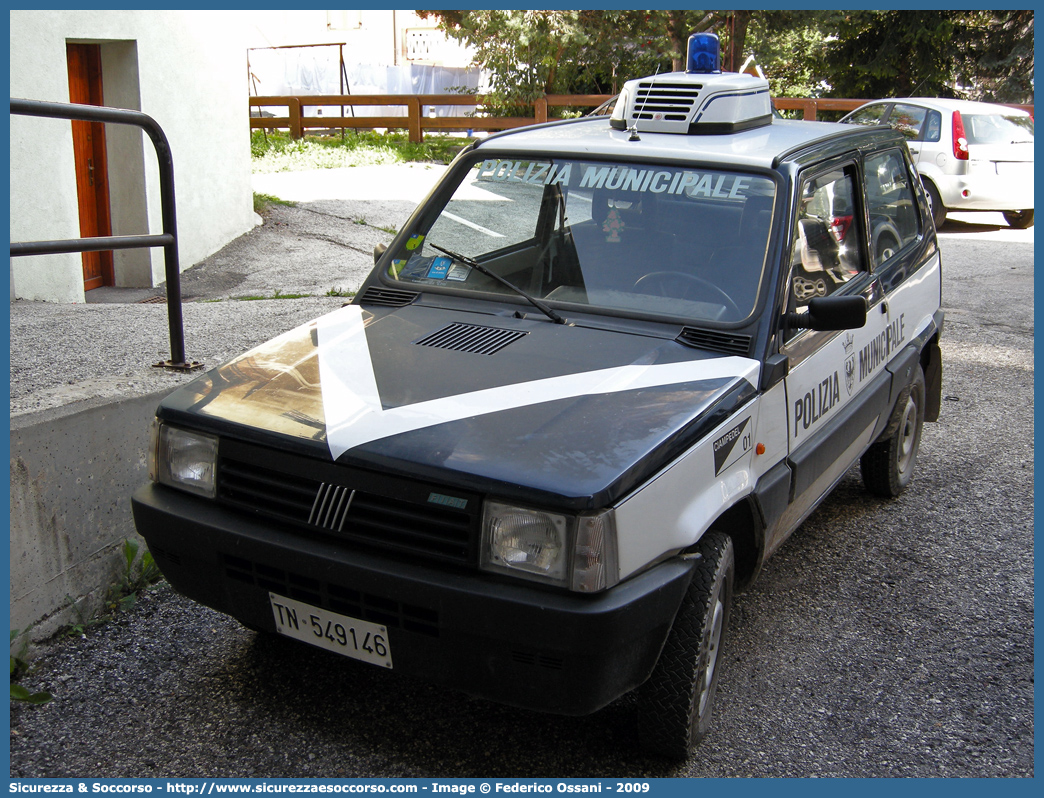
(416, 121)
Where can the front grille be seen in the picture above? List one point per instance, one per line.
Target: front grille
(352, 506)
(716, 341)
(475, 338)
(342, 600)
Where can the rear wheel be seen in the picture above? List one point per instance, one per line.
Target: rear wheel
(887, 466)
(1020, 220)
(935, 204)
(676, 704)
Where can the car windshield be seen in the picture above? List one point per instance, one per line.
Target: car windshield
(619, 237)
(998, 129)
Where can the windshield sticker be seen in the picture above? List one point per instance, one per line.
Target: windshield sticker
(414, 241)
(458, 272)
(418, 267)
(439, 268)
(355, 416)
(710, 185)
(538, 174)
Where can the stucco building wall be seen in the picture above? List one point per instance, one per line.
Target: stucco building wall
(185, 69)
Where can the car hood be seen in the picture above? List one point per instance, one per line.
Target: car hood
(550, 412)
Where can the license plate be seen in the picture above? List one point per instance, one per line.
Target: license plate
(338, 633)
(1014, 169)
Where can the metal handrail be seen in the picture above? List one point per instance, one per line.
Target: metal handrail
(168, 239)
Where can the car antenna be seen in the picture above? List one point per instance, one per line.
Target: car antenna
(913, 93)
(633, 129)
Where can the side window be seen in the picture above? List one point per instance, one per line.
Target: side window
(826, 252)
(933, 126)
(871, 115)
(894, 221)
(907, 119)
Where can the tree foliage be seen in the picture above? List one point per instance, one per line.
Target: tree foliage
(998, 65)
(977, 55)
(895, 54)
(788, 46)
(856, 54)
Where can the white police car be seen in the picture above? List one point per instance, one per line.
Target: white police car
(602, 373)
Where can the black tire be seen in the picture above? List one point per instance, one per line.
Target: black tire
(1020, 220)
(935, 204)
(676, 704)
(888, 464)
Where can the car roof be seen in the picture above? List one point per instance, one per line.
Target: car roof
(943, 104)
(758, 147)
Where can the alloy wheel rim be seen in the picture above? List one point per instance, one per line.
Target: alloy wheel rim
(907, 437)
(711, 655)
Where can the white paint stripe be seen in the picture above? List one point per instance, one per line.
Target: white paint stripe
(343, 357)
(354, 415)
(472, 225)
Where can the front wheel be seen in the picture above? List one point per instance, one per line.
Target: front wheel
(676, 704)
(887, 466)
(1020, 220)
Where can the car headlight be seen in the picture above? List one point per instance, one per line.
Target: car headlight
(578, 552)
(183, 459)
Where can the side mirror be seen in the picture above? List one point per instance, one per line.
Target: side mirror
(831, 313)
(379, 250)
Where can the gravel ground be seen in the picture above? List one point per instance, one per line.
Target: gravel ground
(886, 638)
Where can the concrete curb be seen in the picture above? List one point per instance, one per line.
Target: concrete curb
(72, 474)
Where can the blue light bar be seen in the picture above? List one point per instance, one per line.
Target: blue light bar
(704, 55)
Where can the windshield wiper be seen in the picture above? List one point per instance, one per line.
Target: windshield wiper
(474, 264)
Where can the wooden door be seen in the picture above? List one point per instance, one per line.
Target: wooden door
(92, 183)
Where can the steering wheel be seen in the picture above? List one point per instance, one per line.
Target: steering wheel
(662, 283)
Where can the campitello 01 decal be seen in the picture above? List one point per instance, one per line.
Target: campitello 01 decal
(731, 446)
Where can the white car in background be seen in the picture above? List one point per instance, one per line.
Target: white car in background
(971, 156)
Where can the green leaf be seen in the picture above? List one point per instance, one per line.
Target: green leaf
(19, 693)
(149, 570)
(130, 552)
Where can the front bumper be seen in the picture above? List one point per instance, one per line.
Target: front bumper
(486, 636)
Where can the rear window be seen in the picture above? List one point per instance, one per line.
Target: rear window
(643, 239)
(997, 128)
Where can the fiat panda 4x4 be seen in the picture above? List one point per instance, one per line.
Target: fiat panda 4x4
(603, 371)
